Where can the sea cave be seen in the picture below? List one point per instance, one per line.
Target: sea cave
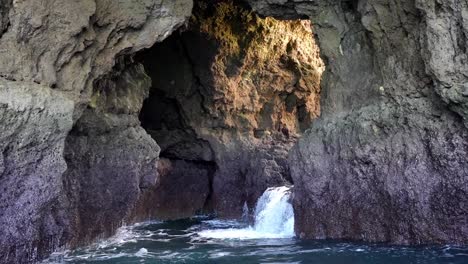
(200, 131)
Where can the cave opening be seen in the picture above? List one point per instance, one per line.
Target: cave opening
(231, 93)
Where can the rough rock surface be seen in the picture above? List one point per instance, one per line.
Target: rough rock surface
(55, 60)
(385, 162)
(242, 90)
(182, 190)
(69, 44)
(110, 157)
(34, 121)
(387, 159)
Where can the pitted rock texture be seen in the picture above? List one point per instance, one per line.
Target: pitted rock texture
(69, 44)
(387, 159)
(243, 89)
(4, 20)
(379, 183)
(55, 61)
(110, 157)
(181, 191)
(385, 162)
(34, 121)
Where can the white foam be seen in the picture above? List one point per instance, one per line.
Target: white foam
(142, 252)
(274, 218)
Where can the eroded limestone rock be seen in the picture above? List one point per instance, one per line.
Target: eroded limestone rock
(235, 90)
(387, 159)
(110, 157)
(52, 56)
(385, 162)
(69, 44)
(182, 190)
(34, 121)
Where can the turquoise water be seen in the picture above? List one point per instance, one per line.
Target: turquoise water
(194, 241)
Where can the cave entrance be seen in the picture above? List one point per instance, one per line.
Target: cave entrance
(231, 93)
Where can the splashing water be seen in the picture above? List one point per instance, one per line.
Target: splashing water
(269, 240)
(274, 218)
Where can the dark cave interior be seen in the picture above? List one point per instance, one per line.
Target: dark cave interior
(231, 93)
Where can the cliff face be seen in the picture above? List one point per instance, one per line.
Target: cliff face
(228, 97)
(71, 141)
(236, 91)
(76, 163)
(387, 159)
(110, 158)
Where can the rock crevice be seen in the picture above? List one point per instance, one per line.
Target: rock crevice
(383, 139)
(391, 140)
(242, 90)
(74, 153)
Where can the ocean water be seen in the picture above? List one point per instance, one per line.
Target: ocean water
(270, 239)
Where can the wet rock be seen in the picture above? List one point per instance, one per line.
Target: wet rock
(182, 190)
(110, 157)
(380, 164)
(52, 55)
(384, 165)
(236, 74)
(379, 183)
(34, 121)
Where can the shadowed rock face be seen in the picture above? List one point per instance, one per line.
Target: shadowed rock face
(34, 121)
(234, 90)
(110, 158)
(5, 6)
(182, 190)
(74, 157)
(387, 159)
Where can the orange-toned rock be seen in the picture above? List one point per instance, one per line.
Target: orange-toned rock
(236, 90)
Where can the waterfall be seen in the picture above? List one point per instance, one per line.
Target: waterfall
(274, 213)
(274, 218)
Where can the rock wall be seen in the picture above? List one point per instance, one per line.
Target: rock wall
(111, 159)
(34, 121)
(182, 190)
(74, 157)
(236, 91)
(387, 159)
